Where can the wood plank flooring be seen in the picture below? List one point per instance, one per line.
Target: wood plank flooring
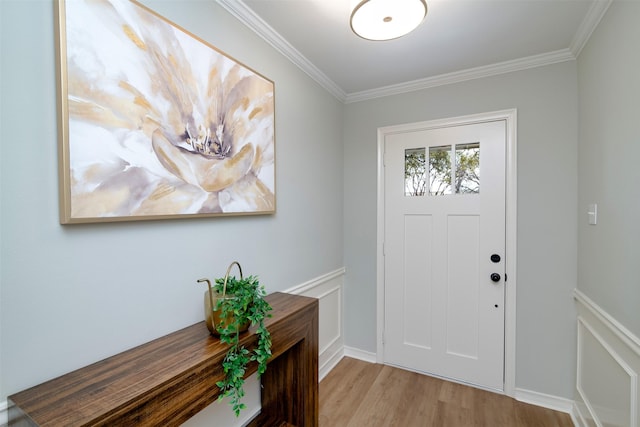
(357, 393)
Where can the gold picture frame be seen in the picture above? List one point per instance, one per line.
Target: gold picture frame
(156, 123)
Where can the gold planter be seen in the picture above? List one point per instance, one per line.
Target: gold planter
(213, 317)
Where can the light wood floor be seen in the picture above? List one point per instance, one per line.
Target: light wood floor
(357, 393)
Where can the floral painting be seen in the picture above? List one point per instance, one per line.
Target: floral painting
(156, 123)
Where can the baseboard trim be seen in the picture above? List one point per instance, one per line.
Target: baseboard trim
(548, 401)
(360, 354)
(331, 363)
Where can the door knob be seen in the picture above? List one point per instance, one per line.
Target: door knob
(495, 277)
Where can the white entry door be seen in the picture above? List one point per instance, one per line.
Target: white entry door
(444, 250)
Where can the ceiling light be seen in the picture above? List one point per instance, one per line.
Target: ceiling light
(387, 19)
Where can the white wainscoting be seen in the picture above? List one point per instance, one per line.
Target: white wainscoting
(4, 415)
(328, 289)
(607, 392)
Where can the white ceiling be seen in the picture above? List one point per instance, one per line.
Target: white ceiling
(459, 40)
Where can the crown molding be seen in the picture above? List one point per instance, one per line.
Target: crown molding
(248, 17)
(464, 75)
(588, 25)
(245, 15)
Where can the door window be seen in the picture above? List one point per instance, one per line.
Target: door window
(440, 176)
(415, 172)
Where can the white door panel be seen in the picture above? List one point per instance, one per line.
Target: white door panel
(443, 313)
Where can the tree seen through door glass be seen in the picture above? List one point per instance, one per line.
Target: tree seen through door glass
(415, 172)
(435, 178)
(468, 168)
(440, 170)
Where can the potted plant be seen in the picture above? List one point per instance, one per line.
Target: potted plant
(237, 305)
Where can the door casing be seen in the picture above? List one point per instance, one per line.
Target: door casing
(510, 116)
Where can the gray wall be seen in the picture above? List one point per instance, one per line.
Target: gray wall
(71, 295)
(74, 294)
(546, 99)
(609, 175)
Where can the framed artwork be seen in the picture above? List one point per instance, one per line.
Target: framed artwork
(154, 122)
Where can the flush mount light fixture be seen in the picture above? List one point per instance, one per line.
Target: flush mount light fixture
(387, 19)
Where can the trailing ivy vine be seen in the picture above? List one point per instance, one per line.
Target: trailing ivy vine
(247, 305)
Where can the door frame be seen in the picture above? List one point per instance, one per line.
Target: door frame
(510, 116)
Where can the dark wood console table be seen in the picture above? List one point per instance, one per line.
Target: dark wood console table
(168, 380)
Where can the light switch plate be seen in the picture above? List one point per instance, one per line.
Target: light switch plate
(592, 213)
